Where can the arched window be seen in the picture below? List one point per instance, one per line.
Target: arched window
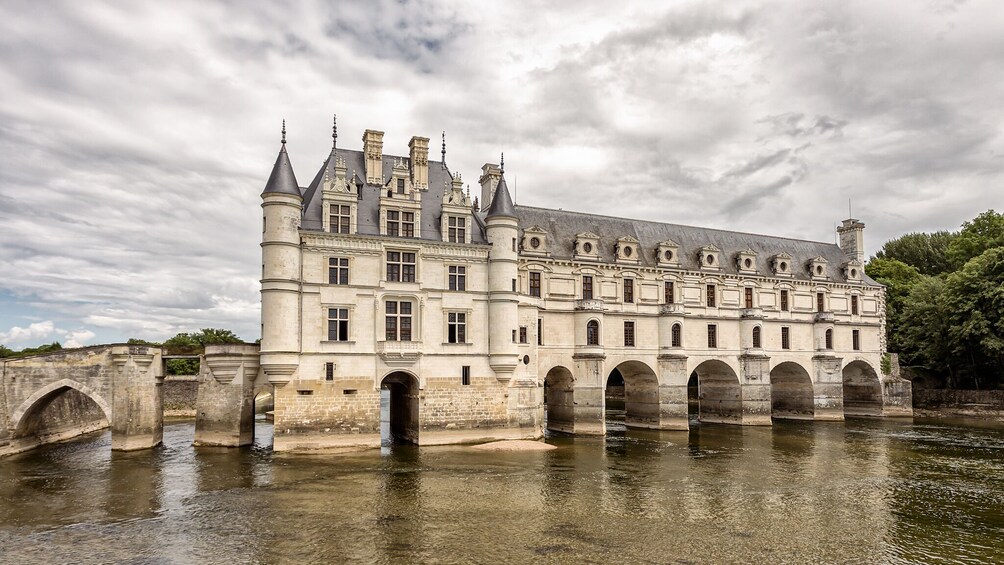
(592, 332)
(829, 339)
(756, 337)
(677, 335)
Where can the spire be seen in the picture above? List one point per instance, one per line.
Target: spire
(502, 164)
(282, 180)
(444, 149)
(334, 133)
(502, 202)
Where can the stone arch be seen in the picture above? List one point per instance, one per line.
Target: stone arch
(399, 408)
(22, 415)
(641, 394)
(791, 394)
(862, 390)
(719, 394)
(559, 400)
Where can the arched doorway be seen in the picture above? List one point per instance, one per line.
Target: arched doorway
(634, 388)
(59, 411)
(399, 409)
(791, 392)
(719, 395)
(862, 390)
(559, 391)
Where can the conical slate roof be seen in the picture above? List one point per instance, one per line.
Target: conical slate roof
(282, 180)
(502, 202)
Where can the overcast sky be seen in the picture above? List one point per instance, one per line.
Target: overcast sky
(135, 138)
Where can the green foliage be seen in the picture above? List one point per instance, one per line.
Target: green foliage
(6, 352)
(927, 252)
(899, 279)
(886, 364)
(137, 341)
(194, 344)
(984, 232)
(28, 351)
(974, 300)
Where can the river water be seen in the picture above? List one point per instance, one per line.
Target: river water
(861, 491)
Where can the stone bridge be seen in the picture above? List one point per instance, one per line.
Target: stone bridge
(56, 396)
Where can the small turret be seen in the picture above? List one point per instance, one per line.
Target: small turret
(282, 180)
(502, 230)
(501, 202)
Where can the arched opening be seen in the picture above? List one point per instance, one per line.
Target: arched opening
(756, 337)
(592, 332)
(634, 389)
(862, 390)
(58, 412)
(719, 395)
(791, 392)
(677, 335)
(399, 409)
(264, 407)
(829, 339)
(559, 390)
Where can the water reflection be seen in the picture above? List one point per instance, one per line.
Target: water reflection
(860, 491)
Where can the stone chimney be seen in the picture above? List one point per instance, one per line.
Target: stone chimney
(373, 149)
(852, 239)
(419, 157)
(490, 175)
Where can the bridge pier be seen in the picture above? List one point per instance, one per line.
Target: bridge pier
(673, 377)
(756, 405)
(137, 420)
(828, 389)
(224, 408)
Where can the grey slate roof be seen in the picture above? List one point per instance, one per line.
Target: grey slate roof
(282, 180)
(502, 202)
(368, 209)
(562, 227)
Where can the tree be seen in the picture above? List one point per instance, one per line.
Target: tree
(922, 329)
(983, 232)
(193, 344)
(137, 341)
(6, 352)
(928, 252)
(974, 300)
(899, 279)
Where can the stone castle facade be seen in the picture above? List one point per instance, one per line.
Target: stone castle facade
(396, 307)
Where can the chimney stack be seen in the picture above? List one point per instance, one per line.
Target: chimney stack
(419, 157)
(490, 175)
(852, 239)
(373, 149)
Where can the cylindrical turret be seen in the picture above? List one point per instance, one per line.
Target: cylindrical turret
(503, 319)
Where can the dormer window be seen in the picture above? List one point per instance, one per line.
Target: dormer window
(853, 270)
(587, 246)
(817, 268)
(457, 229)
(709, 258)
(400, 186)
(667, 254)
(400, 223)
(782, 265)
(535, 241)
(340, 218)
(746, 261)
(626, 249)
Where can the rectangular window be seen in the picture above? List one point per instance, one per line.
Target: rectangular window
(465, 375)
(393, 223)
(628, 334)
(522, 334)
(457, 229)
(785, 337)
(400, 266)
(628, 290)
(338, 270)
(670, 294)
(712, 336)
(711, 296)
(856, 340)
(535, 283)
(329, 371)
(514, 285)
(749, 297)
(408, 224)
(587, 287)
(514, 244)
(820, 302)
(339, 218)
(398, 320)
(456, 324)
(540, 331)
(400, 186)
(784, 300)
(854, 304)
(338, 324)
(458, 277)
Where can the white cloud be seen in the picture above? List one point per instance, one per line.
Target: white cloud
(35, 332)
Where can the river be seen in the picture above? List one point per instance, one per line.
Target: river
(861, 491)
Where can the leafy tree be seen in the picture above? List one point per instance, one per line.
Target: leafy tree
(193, 344)
(137, 341)
(922, 329)
(6, 352)
(974, 299)
(899, 279)
(928, 252)
(983, 232)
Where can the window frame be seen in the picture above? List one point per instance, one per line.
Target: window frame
(757, 337)
(401, 273)
(786, 337)
(587, 279)
(711, 296)
(338, 274)
(338, 324)
(340, 218)
(712, 336)
(828, 338)
(856, 340)
(854, 305)
(456, 227)
(399, 318)
(748, 297)
(456, 327)
(676, 335)
(629, 333)
(669, 292)
(785, 300)
(628, 291)
(593, 332)
(456, 277)
(534, 288)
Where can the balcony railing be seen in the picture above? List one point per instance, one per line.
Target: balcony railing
(671, 309)
(399, 353)
(824, 317)
(591, 304)
(751, 313)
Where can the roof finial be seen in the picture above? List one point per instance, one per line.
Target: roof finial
(284, 131)
(444, 149)
(334, 132)
(502, 163)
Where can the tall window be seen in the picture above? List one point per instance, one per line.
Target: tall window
(820, 302)
(749, 297)
(712, 336)
(535, 283)
(784, 301)
(829, 339)
(400, 223)
(785, 337)
(338, 324)
(677, 335)
(338, 270)
(592, 332)
(400, 186)
(329, 371)
(338, 218)
(457, 229)
(400, 266)
(711, 296)
(587, 287)
(856, 340)
(756, 337)
(628, 290)
(628, 334)
(465, 375)
(458, 277)
(398, 320)
(540, 331)
(854, 304)
(670, 295)
(456, 324)
(522, 334)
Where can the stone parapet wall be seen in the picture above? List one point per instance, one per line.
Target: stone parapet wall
(958, 402)
(180, 394)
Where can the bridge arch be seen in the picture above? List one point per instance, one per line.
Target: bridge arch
(791, 394)
(21, 418)
(559, 400)
(718, 392)
(399, 408)
(862, 390)
(641, 393)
